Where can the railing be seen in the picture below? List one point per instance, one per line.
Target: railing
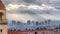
(3, 21)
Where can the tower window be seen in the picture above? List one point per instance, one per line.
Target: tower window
(1, 16)
(0, 30)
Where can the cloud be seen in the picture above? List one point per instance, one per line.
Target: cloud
(22, 9)
(51, 17)
(11, 7)
(19, 17)
(28, 1)
(16, 17)
(32, 9)
(55, 3)
(37, 17)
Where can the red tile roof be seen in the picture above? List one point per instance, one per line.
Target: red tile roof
(2, 7)
(33, 31)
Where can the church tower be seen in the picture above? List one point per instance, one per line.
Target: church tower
(3, 21)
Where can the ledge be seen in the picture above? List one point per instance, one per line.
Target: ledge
(3, 23)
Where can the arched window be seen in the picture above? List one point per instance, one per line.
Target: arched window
(1, 16)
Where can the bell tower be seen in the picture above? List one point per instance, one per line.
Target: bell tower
(3, 21)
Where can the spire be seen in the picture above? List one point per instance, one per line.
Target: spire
(2, 7)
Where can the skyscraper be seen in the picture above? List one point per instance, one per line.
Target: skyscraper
(28, 22)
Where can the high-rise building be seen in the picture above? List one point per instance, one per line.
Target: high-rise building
(14, 22)
(28, 22)
(37, 23)
(3, 22)
(19, 23)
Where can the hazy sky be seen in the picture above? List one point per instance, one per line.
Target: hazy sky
(24, 10)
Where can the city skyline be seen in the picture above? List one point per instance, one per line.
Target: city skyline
(30, 25)
(29, 16)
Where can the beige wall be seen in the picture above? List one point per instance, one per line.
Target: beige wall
(3, 16)
(4, 29)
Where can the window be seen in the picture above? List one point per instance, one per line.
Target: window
(0, 30)
(35, 32)
(1, 16)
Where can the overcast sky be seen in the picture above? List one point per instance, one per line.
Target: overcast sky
(36, 10)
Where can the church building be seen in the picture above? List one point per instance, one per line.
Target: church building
(3, 21)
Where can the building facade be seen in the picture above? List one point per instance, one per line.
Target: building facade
(49, 31)
(3, 21)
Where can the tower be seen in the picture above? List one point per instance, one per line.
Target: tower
(3, 21)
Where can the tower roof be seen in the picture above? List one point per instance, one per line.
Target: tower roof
(2, 7)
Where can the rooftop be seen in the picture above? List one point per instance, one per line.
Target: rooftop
(2, 7)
